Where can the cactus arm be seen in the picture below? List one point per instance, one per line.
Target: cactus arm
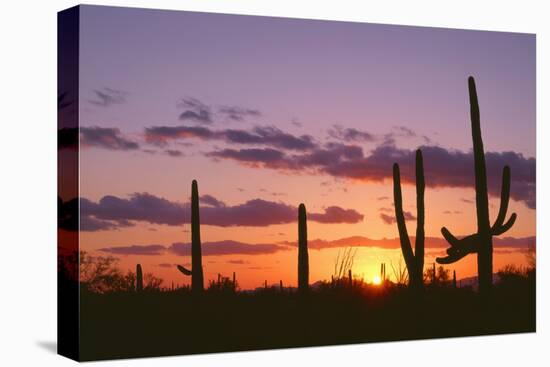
(506, 226)
(504, 197)
(459, 248)
(184, 270)
(420, 187)
(400, 218)
(499, 227)
(453, 241)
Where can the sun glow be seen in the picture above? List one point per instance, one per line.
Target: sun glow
(376, 280)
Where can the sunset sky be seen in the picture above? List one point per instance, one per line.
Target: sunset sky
(267, 113)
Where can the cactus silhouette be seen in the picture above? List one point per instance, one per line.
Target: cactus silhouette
(303, 258)
(139, 278)
(480, 242)
(197, 279)
(414, 261)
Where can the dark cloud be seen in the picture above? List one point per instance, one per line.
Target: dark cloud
(380, 198)
(390, 219)
(443, 168)
(174, 153)
(212, 201)
(254, 157)
(237, 113)
(112, 212)
(195, 111)
(108, 138)
(147, 250)
(165, 265)
(106, 97)
(335, 214)
(228, 247)
(350, 135)
(260, 135)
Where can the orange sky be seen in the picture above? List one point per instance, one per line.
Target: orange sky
(322, 127)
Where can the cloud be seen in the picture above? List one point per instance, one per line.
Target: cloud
(238, 262)
(165, 265)
(112, 212)
(195, 111)
(335, 214)
(147, 250)
(108, 138)
(268, 136)
(519, 243)
(296, 122)
(237, 113)
(212, 201)
(390, 219)
(338, 132)
(254, 157)
(228, 247)
(106, 97)
(443, 168)
(174, 153)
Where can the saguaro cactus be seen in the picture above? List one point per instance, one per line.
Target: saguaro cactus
(454, 278)
(480, 242)
(303, 257)
(414, 261)
(139, 278)
(197, 279)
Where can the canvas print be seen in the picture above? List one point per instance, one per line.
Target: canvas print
(234, 183)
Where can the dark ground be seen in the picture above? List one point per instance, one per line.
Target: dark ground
(169, 323)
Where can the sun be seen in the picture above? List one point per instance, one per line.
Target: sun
(376, 280)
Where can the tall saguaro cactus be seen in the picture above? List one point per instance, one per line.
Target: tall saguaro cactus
(197, 279)
(303, 257)
(480, 242)
(413, 260)
(139, 278)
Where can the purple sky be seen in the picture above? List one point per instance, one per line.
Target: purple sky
(319, 73)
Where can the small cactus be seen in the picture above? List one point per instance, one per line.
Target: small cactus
(303, 257)
(139, 278)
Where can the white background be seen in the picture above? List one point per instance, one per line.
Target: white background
(28, 182)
